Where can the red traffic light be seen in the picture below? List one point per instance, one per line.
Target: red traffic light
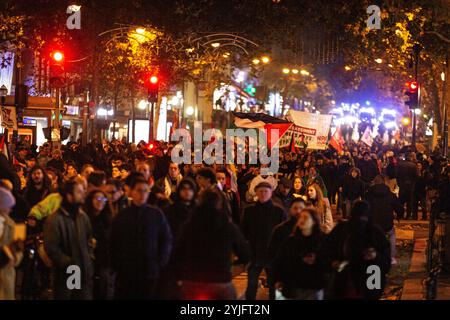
(154, 79)
(57, 56)
(412, 86)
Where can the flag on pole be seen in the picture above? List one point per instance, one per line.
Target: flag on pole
(3, 145)
(367, 137)
(337, 140)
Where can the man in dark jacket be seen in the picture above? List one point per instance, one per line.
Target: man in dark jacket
(383, 205)
(68, 243)
(282, 196)
(352, 247)
(258, 223)
(352, 189)
(282, 231)
(406, 179)
(177, 214)
(141, 243)
(368, 168)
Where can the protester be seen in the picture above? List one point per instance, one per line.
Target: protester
(299, 267)
(352, 189)
(11, 250)
(141, 243)
(258, 223)
(322, 205)
(384, 206)
(282, 231)
(68, 242)
(351, 248)
(406, 179)
(95, 207)
(204, 249)
(282, 195)
(171, 180)
(38, 186)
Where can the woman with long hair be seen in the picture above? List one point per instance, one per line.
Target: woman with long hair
(298, 189)
(315, 196)
(299, 268)
(202, 257)
(95, 208)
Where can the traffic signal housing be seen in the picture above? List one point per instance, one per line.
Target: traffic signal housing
(57, 71)
(413, 93)
(153, 88)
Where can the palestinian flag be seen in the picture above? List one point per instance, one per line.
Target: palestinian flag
(264, 122)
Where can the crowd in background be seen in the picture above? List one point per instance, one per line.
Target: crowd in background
(142, 227)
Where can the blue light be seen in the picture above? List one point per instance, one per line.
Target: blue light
(367, 102)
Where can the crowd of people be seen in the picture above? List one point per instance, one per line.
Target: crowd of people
(140, 226)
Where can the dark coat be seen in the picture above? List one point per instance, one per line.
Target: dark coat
(290, 269)
(141, 243)
(203, 252)
(352, 188)
(67, 239)
(346, 244)
(369, 170)
(279, 234)
(383, 205)
(406, 173)
(258, 223)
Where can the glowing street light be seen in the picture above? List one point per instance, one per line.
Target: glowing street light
(256, 61)
(295, 71)
(443, 76)
(379, 60)
(390, 65)
(265, 59)
(140, 30)
(142, 104)
(304, 72)
(190, 111)
(215, 44)
(406, 121)
(286, 70)
(347, 68)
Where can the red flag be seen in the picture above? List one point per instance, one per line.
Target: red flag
(4, 145)
(337, 140)
(282, 129)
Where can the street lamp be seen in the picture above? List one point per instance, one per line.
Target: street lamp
(255, 61)
(295, 71)
(379, 60)
(265, 59)
(304, 72)
(190, 111)
(286, 70)
(215, 44)
(347, 68)
(142, 104)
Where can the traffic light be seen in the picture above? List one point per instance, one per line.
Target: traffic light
(57, 72)
(250, 89)
(153, 88)
(413, 94)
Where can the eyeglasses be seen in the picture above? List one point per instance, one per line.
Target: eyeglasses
(102, 199)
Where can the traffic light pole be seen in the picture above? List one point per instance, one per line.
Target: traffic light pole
(151, 119)
(56, 125)
(416, 49)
